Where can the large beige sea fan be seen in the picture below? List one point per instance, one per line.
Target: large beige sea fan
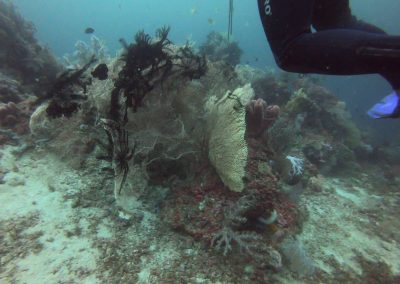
(227, 127)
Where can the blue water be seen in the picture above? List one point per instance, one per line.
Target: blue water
(61, 23)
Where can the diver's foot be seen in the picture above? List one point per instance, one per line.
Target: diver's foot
(389, 107)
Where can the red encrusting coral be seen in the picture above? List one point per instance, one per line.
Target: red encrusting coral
(263, 181)
(198, 209)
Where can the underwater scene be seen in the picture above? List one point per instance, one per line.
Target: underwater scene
(164, 142)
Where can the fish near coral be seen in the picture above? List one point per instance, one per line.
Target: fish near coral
(100, 72)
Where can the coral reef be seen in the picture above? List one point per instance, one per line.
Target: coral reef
(20, 53)
(147, 64)
(207, 155)
(272, 89)
(207, 171)
(324, 112)
(15, 110)
(10, 89)
(219, 47)
(313, 121)
(182, 126)
(27, 68)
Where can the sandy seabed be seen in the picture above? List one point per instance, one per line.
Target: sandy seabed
(50, 232)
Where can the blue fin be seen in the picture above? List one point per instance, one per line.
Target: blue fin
(387, 108)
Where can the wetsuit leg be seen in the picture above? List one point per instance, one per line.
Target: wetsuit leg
(336, 49)
(328, 14)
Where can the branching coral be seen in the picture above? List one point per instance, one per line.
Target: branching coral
(297, 166)
(248, 242)
(84, 52)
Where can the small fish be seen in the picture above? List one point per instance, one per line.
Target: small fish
(100, 72)
(89, 30)
(211, 21)
(193, 11)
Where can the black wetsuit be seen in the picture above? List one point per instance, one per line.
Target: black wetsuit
(341, 45)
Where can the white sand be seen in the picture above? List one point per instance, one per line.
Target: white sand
(67, 259)
(337, 228)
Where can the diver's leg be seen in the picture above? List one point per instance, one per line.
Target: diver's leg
(343, 52)
(337, 15)
(349, 52)
(283, 21)
(332, 51)
(328, 14)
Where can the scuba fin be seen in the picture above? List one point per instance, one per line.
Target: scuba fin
(387, 108)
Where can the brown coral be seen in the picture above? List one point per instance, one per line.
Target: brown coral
(15, 117)
(260, 116)
(9, 89)
(8, 114)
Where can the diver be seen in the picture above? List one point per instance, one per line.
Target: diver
(340, 45)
